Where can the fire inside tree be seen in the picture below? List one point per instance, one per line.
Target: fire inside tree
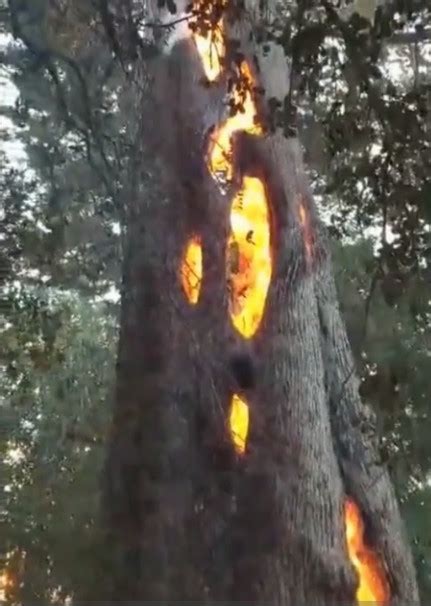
(250, 274)
(265, 490)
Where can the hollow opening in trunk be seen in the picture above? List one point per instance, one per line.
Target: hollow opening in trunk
(191, 269)
(373, 586)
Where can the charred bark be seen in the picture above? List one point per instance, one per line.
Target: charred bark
(189, 518)
(168, 493)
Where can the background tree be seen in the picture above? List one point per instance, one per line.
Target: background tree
(61, 356)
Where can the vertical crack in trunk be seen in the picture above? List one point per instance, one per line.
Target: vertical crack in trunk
(372, 583)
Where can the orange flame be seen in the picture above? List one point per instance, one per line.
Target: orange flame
(220, 152)
(249, 256)
(372, 582)
(191, 270)
(238, 423)
(5, 584)
(249, 263)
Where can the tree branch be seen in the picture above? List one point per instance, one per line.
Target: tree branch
(47, 57)
(410, 37)
(167, 25)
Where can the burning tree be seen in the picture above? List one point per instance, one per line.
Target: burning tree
(242, 463)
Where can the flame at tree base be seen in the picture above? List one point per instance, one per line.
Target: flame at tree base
(373, 587)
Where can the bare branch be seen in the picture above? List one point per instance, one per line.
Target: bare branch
(167, 25)
(410, 37)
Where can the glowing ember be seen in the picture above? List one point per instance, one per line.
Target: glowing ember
(6, 584)
(220, 152)
(249, 257)
(3, 585)
(372, 583)
(238, 423)
(191, 270)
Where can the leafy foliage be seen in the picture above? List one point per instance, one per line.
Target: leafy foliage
(58, 357)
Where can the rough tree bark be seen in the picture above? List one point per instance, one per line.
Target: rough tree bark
(188, 518)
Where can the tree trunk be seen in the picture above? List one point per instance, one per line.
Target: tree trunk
(190, 516)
